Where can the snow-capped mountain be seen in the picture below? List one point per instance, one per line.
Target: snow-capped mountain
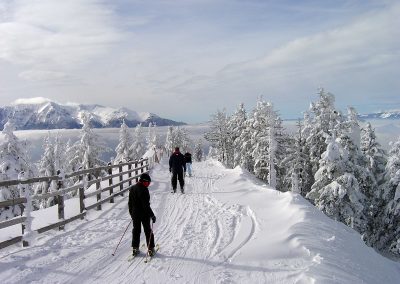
(41, 113)
(389, 114)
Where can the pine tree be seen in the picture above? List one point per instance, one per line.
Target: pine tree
(336, 190)
(124, 153)
(13, 161)
(198, 151)
(297, 165)
(138, 146)
(219, 137)
(376, 157)
(389, 233)
(261, 129)
(321, 121)
(236, 126)
(85, 153)
(46, 167)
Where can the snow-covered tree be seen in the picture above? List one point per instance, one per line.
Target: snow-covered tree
(46, 167)
(219, 136)
(336, 190)
(87, 150)
(123, 150)
(198, 151)
(138, 146)
(169, 143)
(376, 157)
(261, 123)
(13, 161)
(389, 229)
(297, 164)
(177, 137)
(321, 121)
(237, 125)
(152, 138)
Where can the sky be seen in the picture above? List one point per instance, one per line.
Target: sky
(184, 60)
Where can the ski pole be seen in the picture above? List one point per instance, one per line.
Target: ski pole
(148, 245)
(121, 238)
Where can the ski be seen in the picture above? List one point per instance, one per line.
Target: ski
(148, 257)
(132, 257)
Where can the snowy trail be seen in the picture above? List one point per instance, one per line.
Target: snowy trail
(226, 228)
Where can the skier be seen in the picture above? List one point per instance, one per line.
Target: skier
(177, 167)
(188, 160)
(141, 213)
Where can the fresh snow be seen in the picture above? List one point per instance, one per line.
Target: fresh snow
(228, 227)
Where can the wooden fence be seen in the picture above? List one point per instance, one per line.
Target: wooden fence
(130, 170)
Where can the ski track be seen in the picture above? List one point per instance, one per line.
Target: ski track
(199, 238)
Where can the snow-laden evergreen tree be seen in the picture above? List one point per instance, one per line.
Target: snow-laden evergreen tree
(237, 125)
(151, 138)
(169, 143)
(87, 150)
(13, 161)
(219, 136)
(336, 190)
(198, 151)
(177, 137)
(350, 139)
(243, 147)
(138, 146)
(261, 122)
(123, 150)
(389, 229)
(376, 157)
(46, 167)
(321, 121)
(297, 165)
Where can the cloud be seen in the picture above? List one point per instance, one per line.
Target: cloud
(370, 41)
(54, 37)
(38, 100)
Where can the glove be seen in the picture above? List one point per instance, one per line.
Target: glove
(153, 219)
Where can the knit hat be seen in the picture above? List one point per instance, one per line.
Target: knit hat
(145, 177)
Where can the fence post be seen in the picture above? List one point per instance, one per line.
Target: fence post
(60, 200)
(130, 174)
(110, 182)
(81, 196)
(27, 227)
(121, 187)
(136, 171)
(98, 195)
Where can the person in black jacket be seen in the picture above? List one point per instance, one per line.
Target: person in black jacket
(141, 213)
(177, 166)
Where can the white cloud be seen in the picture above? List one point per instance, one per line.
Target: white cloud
(370, 41)
(56, 35)
(34, 101)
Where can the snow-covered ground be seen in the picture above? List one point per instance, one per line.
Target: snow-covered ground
(227, 228)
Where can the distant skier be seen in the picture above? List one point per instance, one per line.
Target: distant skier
(177, 167)
(141, 213)
(188, 160)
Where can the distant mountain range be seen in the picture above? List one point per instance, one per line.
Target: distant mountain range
(390, 114)
(40, 113)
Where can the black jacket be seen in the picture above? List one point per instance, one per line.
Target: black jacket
(139, 201)
(188, 157)
(177, 162)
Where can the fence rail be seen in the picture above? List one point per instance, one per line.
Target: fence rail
(84, 191)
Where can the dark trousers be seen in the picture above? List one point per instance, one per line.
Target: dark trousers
(177, 175)
(137, 228)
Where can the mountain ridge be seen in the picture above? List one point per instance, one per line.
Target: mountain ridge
(42, 113)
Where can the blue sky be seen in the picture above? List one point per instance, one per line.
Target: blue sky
(186, 59)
